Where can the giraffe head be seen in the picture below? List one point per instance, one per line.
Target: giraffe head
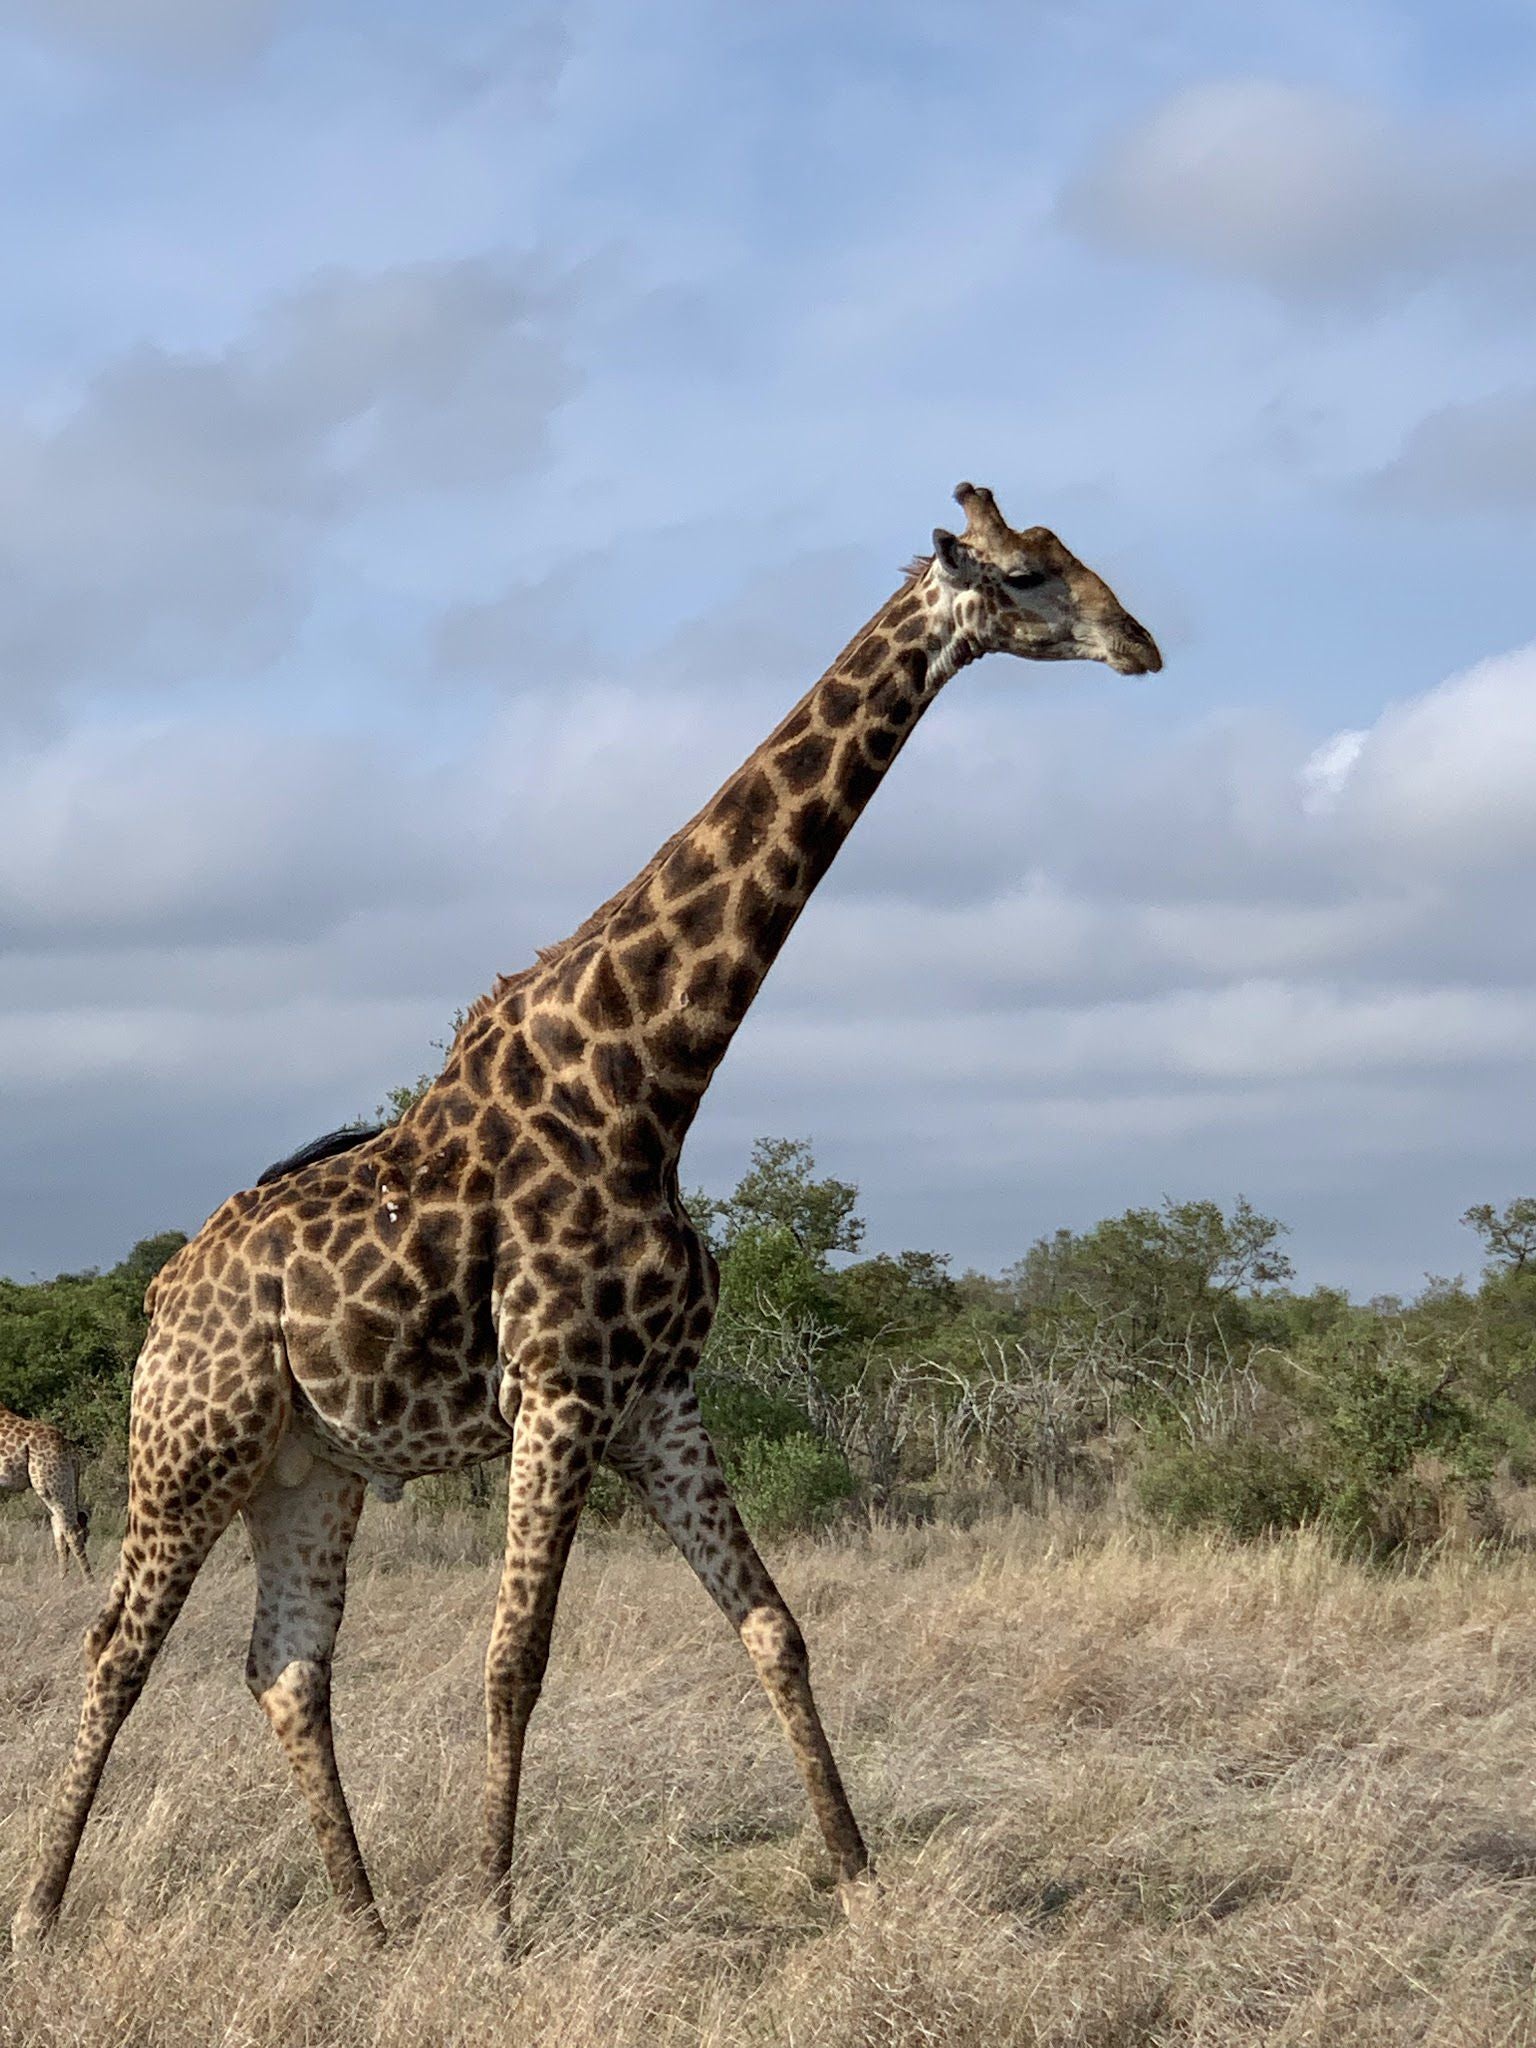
(1025, 593)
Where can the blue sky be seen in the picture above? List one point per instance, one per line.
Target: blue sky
(439, 442)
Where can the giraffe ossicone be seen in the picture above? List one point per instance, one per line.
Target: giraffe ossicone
(510, 1268)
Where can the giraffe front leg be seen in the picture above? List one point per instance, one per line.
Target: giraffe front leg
(555, 1449)
(300, 1536)
(667, 1457)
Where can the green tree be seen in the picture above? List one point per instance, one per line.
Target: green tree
(408, 1093)
(902, 1296)
(781, 1191)
(1508, 1235)
(68, 1345)
(1185, 1273)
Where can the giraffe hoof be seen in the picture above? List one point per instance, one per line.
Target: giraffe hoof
(370, 1928)
(29, 1930)
(858, 1896)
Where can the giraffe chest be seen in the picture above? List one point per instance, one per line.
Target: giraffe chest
(14, 1475)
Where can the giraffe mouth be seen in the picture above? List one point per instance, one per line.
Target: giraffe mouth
(1133, 651)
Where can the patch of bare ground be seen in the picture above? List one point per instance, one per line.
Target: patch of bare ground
(1122, 1791)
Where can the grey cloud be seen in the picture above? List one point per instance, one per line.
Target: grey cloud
(169, 527)
(1476, 456)
(177, 33)
(1319, 198)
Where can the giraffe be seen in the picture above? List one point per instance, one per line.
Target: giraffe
(509, 1268)
(36, 1454)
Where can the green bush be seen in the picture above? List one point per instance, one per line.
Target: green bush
(1246, 1485)
(791, 1483)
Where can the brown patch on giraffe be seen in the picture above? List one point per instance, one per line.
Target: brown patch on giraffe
(311, 1289)
(495, 1134)
(617, 1072)
(604, 1004)
(521, 1077)
(538, 1208)
(856, 776)
(838, 703)
(586, 1219)
(763, 921)
(648, 967)
(811, 827)
(707, 983)
(869, 654)
(557, 1037)
(805, 762)
(574, 1100)
(687, 867)
(701, 918)
(477, 1062)
(573, 1149)
(745, 811)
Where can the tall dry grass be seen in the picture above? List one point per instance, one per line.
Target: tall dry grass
(1122, 1791)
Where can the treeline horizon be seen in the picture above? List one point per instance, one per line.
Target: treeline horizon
(1163, 1358)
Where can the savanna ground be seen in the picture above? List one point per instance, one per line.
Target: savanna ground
(1123, 1789)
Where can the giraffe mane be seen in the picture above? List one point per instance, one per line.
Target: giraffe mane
(551, 955)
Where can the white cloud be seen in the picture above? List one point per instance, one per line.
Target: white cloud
(1327, 769)
(1445, 780)
(170, 526)
(1314, 195)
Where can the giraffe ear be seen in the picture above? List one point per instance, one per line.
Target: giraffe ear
(954, 559)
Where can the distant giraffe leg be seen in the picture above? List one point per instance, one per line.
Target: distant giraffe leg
(667, 1457)
(300, 1536)
(157, 1568)
(57, 1487)
(555, 1449)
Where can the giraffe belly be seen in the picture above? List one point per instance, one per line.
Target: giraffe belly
(400, 1422)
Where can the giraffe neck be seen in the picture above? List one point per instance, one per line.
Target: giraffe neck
(645, 998)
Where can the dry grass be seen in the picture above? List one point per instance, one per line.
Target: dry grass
(1123, 1791)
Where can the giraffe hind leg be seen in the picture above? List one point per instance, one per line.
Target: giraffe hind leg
(156, 1572)
(300, 1536)
(57, 1487)
(191, 1466)
(68, 1541)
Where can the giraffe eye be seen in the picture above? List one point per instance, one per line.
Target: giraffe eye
(1026, 579)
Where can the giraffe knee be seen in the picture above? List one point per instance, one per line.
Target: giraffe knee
(774, 1643)
(292, 1698)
